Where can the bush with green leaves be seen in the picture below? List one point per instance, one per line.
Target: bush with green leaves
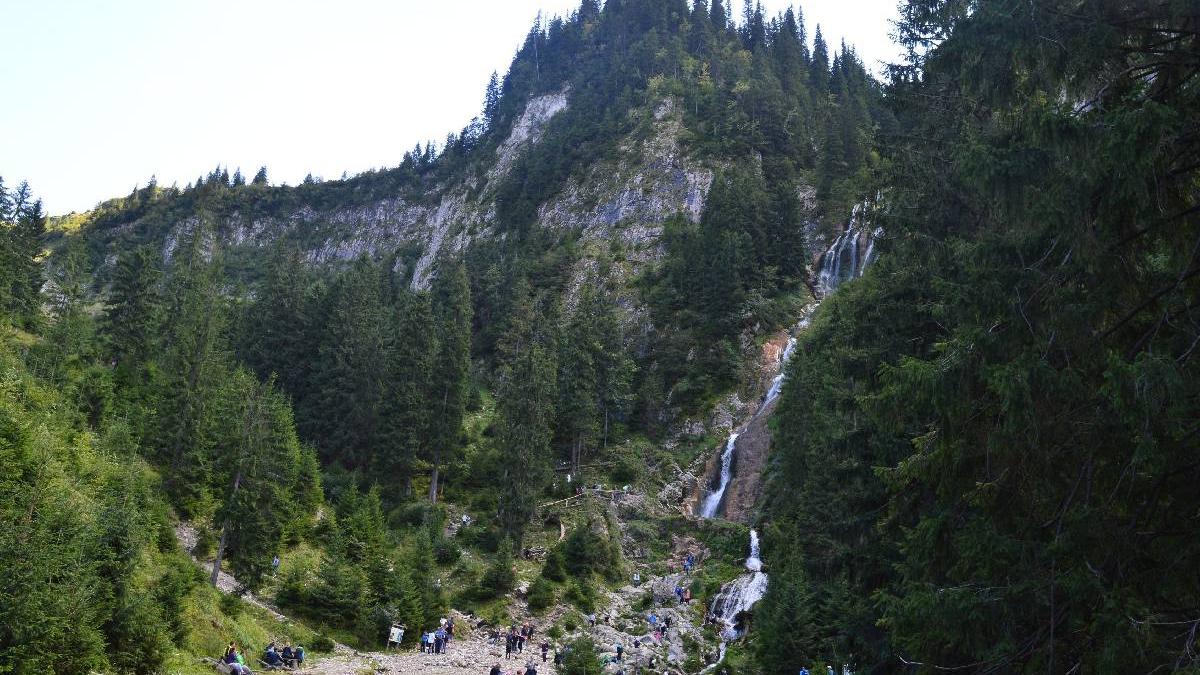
(582, 594)
(580, 658)
(540, 595)
(500, 576)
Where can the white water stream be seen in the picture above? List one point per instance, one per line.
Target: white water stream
(740, 595)
(713, 501)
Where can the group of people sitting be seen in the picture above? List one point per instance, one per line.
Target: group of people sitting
(272, 658)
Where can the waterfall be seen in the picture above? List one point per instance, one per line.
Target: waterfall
(740, 595)
(713, 501)
(842, 260)
(777, 382)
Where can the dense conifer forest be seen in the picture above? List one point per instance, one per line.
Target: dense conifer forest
(984, 457)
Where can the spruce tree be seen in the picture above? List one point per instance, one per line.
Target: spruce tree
(256, 462)
(526, 391)
(348, 378)
(405, 412)
(194, 362)
(451, 373)
(134, 310)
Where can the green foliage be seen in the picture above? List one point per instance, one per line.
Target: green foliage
(585, 552)
(541, 594)
(450, 378)
(526, 418)
(323, 644)
(580, 658)
(500, 576)
(982, 442)
(582, 594)
(555, 567)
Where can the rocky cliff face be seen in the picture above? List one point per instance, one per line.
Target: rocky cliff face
(623, 200)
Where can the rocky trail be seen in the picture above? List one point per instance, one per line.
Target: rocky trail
(472, 651)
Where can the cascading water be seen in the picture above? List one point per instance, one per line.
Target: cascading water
(740, 595)
(713, 501)
(777, 382)
(842, 261)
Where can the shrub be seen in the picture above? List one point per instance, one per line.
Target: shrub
(555, 633)
(580, 658)
(581, 594)
(205, 543)
(323, 643)
(445, 551)
(541, 594)
(499, 577)
(231, 605)
(555, 568)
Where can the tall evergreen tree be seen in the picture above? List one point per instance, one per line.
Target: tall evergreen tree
(405, 412)
(451, 371)
(257, 463)
(526, 391)
(194, 362)
(134, 310)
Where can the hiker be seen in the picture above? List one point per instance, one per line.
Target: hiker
(545, 650)
(424, 642)
(439, 641)
(688, 563)
(679, 592)
(233, 658)
(666, 624)
(510, 642)
(804, 671)
(530, 669)
(449, 634)
(591, 618)
(620, 650)
(828, 669)
(495, 670)
(292, 657)
(653, 620)
(275, 564)
(271, 657)
(687, 595)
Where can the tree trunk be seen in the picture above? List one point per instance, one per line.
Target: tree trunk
(216, 570)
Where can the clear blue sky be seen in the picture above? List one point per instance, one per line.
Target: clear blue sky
(101, 94)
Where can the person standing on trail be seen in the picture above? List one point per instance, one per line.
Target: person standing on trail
(449, 634)
(509, 642)
(545, 650)
(804, 671)
(529, 669)
(439, 641)
(620, 650)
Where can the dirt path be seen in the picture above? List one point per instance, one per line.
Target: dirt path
(472, 655)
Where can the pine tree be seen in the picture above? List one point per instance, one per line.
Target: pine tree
(257, 461)
(194, 362)
(348, 380)
(579, 408)
(718, 16)
(819, 66)
(491, 102)
(282, 329)
(134, 310)
(451, 375)
(260, 178)
(526, 391)
(404, 416)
